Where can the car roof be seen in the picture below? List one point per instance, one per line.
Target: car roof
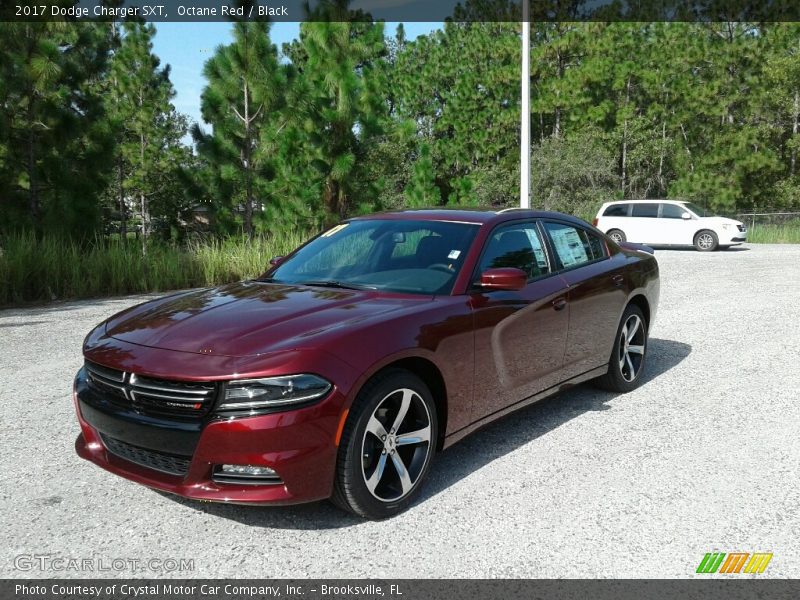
(647, 200)
(476, 216)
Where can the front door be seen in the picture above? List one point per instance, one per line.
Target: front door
(520, 336)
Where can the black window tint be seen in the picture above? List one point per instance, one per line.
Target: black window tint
(572, 244)
(517, 246)
(596, 245)
(617, 210)
(671, 211)
(649, 209)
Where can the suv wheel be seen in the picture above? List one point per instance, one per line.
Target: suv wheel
(706, 241)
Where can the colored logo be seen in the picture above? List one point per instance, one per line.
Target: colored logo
(734, 562)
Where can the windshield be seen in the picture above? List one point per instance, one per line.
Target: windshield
(416, 257)
(698, 210)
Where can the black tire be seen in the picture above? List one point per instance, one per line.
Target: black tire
(618, 378)
(362, 452)
(617, 235)
(706, 240)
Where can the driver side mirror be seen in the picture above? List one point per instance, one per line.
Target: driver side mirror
(504, 278)
(276, 260)
(686, 216)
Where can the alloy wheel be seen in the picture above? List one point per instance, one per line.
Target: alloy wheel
(705, 241)
(396, 445)
(631, 348)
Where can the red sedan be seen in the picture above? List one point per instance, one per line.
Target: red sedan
(342, 370)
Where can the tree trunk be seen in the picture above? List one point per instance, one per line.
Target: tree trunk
(686, 146)
(661, 186)
(247, 155)
(795, 117)
(123, 230)
(143, 201)
(33, 179)
(625, 138)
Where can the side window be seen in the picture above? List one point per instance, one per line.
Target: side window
(646, 209)
(671, 211)
(597, 246)
(574, 246)
(617, 210)
(517, 246)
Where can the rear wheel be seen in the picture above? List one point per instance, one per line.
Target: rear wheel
(706, 241)
(627, 361)
(617, 235)
(386, 446)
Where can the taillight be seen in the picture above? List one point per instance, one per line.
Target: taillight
(594, 221)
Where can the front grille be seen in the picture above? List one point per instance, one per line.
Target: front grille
(166, 463)
(156, 397)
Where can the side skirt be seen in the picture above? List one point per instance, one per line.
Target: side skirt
(457, 436)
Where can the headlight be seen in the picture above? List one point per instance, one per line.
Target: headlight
(252, 396)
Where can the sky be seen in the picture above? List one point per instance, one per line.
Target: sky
(187, 46)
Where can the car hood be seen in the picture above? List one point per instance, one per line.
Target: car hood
(250, 318)
(722, 221)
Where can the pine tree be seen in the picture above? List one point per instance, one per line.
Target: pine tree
(245, 91)
(422, 191)
(55, 143)
(344, 105)
(147, 126)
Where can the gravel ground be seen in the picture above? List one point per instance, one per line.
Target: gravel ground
(704, 456)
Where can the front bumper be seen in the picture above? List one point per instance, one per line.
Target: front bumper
(300, 445)
(730, 238)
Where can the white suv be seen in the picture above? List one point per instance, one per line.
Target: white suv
(668, 223)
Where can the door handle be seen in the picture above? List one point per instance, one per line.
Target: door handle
(618, 280)
(559, 303)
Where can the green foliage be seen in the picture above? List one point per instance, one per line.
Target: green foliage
(54, 141)
(47, 268)
(149, 153)
(421, 191)
(241, 103)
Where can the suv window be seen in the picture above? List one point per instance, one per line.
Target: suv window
(648, 209)
(519, 246)
(574, 246)
(671, 211)
(617, 210)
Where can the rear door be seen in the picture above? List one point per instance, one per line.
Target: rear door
(520, 336)
(597, 294)
(642, 225)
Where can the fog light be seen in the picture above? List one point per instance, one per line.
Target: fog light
(248, 470)
(245, 475)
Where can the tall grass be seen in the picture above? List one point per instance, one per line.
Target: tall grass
(42, 269)
(788, 233)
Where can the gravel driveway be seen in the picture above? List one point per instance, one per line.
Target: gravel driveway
(704, 456)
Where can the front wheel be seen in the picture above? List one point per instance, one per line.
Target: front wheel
(706, 241)
(386, 446)
(627, 361)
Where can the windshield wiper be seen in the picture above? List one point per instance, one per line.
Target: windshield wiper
(337, 284)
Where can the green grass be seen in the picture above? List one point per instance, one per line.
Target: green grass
(788, 233)
(44, 269)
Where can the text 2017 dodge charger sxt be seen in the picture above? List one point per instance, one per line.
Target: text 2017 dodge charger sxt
(341, 371)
